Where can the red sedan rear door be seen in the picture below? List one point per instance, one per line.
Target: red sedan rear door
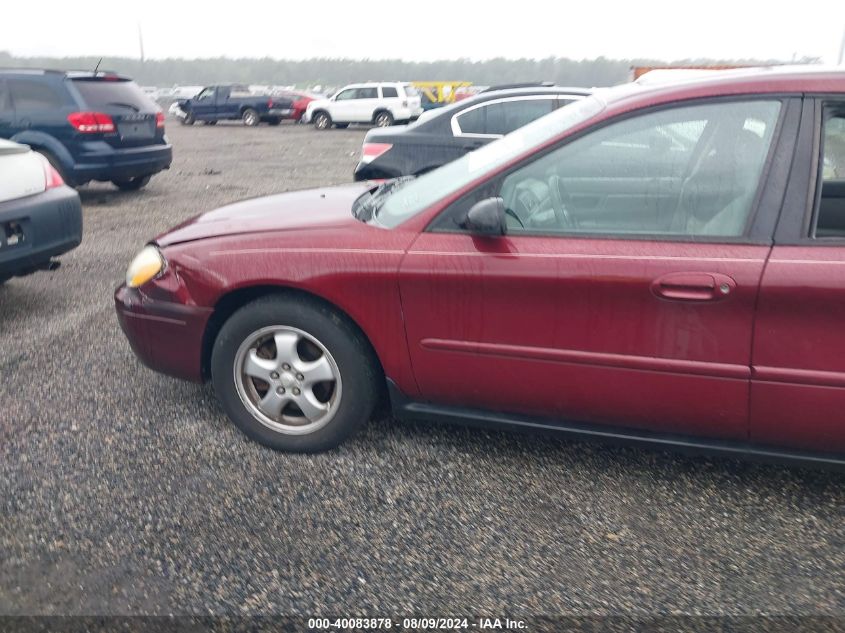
(798, 385)
(625, 288)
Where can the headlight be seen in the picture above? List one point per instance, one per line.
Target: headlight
(148, 264)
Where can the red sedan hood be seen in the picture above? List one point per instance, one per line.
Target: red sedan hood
(309, 209)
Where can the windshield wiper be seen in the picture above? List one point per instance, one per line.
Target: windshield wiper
(368, 204)
(124, 105)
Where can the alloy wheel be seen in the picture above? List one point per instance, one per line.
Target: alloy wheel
(287, 380)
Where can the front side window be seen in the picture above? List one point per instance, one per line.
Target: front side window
(346, 95)
(416, 196)
(689, 171)
(830, 193)
(206, 94)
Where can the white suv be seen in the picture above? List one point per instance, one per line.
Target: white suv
(381, 104)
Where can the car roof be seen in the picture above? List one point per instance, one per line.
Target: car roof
(535, 90)
(70, 74)
(745, 81)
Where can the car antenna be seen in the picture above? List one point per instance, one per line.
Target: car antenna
(98, 65)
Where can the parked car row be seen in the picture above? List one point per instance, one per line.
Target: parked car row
(657, 264)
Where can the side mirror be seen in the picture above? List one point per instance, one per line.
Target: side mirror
(486, 217)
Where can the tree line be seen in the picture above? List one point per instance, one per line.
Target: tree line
(336, 72)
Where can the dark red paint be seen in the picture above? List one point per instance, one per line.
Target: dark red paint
(741, 342)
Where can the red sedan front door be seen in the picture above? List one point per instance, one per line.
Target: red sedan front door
(627, 296)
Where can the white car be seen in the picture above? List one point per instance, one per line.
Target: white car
(175, 110)
(40, 216)
(380, 104)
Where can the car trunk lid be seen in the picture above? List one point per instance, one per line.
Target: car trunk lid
(21, 172)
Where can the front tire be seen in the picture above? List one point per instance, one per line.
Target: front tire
(188, 119)
(322, 121)
(293, 374)
(250, 118)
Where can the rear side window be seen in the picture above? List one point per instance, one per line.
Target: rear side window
(99, 95)
(472, 121)
(833, 157)
(389, 92)
(830, 195)
(505, 117)
(33, 95)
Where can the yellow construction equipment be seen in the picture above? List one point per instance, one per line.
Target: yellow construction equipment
(440, 91)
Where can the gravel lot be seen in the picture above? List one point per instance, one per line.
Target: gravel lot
(127, 492)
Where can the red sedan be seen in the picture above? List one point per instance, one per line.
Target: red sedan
(660, 264)
(300, 101)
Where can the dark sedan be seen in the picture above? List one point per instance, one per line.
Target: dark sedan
(443, 135)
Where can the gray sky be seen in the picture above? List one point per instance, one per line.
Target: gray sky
(430, 29)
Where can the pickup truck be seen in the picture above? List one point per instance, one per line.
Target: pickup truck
(232, 102)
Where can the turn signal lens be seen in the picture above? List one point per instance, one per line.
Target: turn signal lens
(147, 265)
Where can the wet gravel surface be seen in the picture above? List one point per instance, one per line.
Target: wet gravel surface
(127, 492)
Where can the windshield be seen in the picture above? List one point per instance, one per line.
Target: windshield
(367, 204)
(416, 196)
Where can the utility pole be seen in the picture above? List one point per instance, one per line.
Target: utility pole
(842, 48)
(141, 41)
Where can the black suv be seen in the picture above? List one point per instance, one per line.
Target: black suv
(90, 126)
(442, 135)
